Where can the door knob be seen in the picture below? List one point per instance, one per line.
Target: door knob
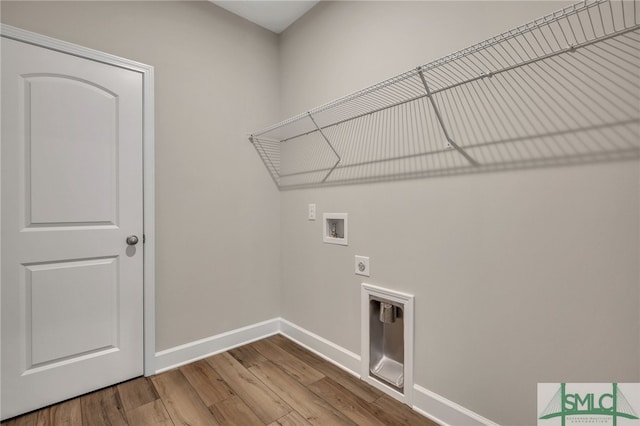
(132, 240)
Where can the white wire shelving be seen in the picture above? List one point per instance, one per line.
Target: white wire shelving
(563, 89)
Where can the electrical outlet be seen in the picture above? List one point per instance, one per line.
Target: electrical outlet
(362, 266)
(312, 212)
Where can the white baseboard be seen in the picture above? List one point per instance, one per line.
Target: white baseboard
(425, 402)
(322, 347)
(193, 351)
(445, 412)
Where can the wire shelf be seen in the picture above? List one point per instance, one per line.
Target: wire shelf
(563, 89)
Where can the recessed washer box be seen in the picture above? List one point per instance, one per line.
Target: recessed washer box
(335, 228)
(387, 341)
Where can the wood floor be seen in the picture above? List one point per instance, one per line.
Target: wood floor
(270, 382)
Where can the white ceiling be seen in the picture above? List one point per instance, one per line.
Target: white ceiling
(272, 15)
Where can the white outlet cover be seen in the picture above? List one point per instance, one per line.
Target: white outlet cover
(362, 266)
(312, 212)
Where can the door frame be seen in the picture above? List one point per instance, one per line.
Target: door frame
(148, 165)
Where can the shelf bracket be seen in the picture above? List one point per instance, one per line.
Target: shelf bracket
(266, 159)
(330, 146)
(441, 121)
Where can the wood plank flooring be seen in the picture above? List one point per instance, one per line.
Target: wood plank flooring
(272, 382)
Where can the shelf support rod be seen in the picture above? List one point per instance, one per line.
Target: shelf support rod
(441, 121)
(330, 146)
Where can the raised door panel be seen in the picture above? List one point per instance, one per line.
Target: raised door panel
(71, 131)
(72, 310)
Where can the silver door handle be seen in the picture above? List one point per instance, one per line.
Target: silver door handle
(132, 240)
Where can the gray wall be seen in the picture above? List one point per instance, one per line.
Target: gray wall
(514, 273)
(520, 277)
(217, 210)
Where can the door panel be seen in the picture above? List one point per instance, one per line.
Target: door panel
(73, 309)
(71, 168)
(56, 107)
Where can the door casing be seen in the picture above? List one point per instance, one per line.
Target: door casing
(147, 73)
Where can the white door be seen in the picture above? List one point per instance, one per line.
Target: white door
(71, 169)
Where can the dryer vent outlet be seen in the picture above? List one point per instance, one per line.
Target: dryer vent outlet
(387, 341)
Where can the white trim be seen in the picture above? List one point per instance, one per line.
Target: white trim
(149, 230)
(341, 357)
(193, 351)
(148, 124)
(445, 412)
(425, 402)
(406, 300)
(395, 296)
(25, 36)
